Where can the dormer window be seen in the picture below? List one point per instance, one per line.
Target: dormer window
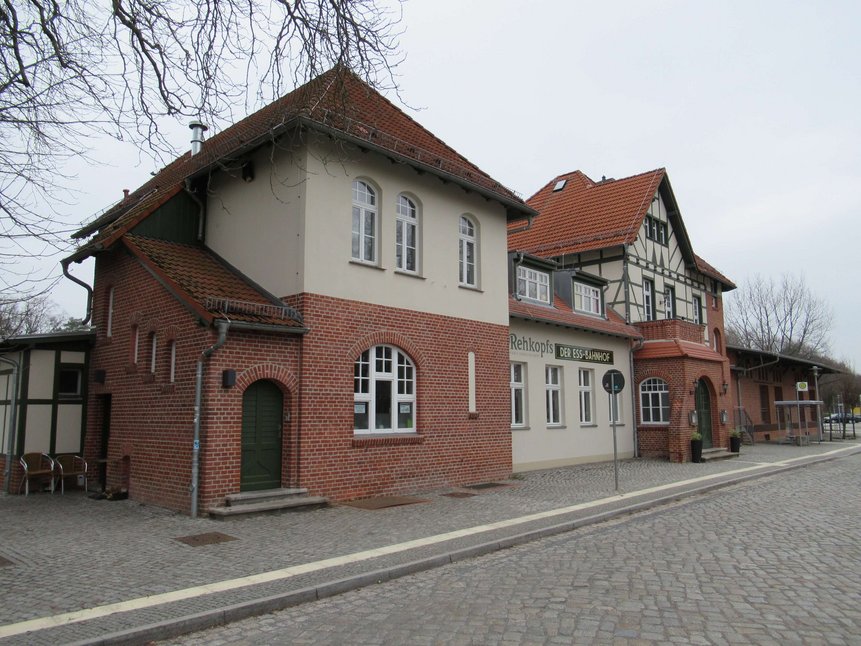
(587, 299)
(533, 284)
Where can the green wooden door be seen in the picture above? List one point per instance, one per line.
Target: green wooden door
(704, 413)
(262, 412)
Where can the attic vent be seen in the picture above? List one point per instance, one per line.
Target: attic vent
(560, 185)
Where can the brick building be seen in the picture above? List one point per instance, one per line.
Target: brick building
(315, 297)
(626, 239)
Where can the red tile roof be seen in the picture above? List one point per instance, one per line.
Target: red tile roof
(208, 285)
(704, 268)
(586, 215)
(561, 314)
(338, 102)
(676, 348)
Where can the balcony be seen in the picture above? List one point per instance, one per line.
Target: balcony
(669, 329)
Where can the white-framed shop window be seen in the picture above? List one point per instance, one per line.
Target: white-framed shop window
(585, 386)
(384, 391)
(518, 395)
(553, 395)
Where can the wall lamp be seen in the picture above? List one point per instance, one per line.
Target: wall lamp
(694, 387)
(724, 387)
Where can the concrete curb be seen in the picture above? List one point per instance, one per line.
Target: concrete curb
(208, 619)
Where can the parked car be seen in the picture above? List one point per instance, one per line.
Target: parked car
(841, 418)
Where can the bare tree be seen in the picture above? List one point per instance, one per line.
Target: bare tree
(32, 316)
(783, 317)
(74, 70)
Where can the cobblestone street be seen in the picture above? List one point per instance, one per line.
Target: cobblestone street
(774, 560)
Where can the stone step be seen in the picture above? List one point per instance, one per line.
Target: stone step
(285, 503)
(717, 454)
(251, 497)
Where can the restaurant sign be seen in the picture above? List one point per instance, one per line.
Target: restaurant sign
(576, 353)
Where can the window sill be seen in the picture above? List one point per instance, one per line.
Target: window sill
(369, 265)
(556, 427)
(148, 378)
(471, 288)
(653, 424)
(472, 415)
(520, 428)
(590, 425)
(409, 274)
(371, 440)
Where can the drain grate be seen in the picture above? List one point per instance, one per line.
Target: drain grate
(384, 501)
(486, 485)
(459, 494)
(209, 538)
(4, 562)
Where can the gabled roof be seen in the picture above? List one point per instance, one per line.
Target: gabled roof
(339, 103)
(585, 215)
(561, 314)
(577, 214)
(208, 286)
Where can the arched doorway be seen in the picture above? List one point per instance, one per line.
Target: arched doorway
(262, 415)
(704, 413)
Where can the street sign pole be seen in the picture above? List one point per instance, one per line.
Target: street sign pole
(613, 383)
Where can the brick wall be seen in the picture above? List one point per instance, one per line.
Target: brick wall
(151, 419)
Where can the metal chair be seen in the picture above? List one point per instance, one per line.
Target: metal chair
(36, 465)
(69, 464)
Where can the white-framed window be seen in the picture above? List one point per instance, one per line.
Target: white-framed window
(619, 415)
(109, 328)
(384, 391)
(553, 395)
(649, 299)
(697, 307)
(172, 375)
(518, 394)
(468, 252)
(153, 351)
(587, 298)
(69, 383)
(533, 284)
(669, 302)
(654, 401)
(585, 379)
(364, 241)
(407, 235)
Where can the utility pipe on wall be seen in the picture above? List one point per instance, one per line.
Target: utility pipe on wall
(10, 439)
(222, 326)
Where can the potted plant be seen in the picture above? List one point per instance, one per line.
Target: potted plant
(735, 440)
(696, 446)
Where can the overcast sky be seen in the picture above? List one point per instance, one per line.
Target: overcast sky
(752, 107)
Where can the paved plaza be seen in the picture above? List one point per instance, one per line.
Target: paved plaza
(88, 571)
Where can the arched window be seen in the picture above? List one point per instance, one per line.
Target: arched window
(153, 351)
(172, 370)
(716, 337)
(468, 252)
(654, 401)
(109, 328)
(364, 222)
(384, 391)
(407, 235)
(136, 337)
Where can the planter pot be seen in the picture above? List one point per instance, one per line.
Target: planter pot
(696, 450)
(735, 444)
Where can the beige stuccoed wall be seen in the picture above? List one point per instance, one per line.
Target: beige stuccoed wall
(258, 226)
(331, 171)
(543, 447)
(41, 383)
(290, 231)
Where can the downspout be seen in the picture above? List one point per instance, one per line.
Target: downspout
(200, 213)
(626, 281)
(223, 326)
(65, 264)
(631, 350)
(13, 418)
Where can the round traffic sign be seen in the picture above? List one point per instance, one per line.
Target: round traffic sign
(613, 381)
